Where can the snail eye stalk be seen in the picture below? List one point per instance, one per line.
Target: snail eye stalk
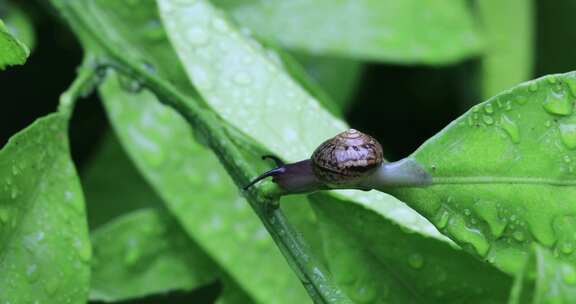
(269, 173)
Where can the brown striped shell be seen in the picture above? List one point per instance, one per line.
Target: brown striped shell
(346, 158)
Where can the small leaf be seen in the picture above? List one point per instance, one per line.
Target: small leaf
(504, 174)
(12, 51)
(200, 194)
(44, 246)
(20, 25)
(146, 252)
(408, 31)
(374, 260)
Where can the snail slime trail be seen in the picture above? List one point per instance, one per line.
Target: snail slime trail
(349, 160)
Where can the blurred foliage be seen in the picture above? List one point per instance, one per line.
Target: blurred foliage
(167, 223)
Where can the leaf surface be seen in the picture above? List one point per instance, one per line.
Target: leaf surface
(12, 51)
(146, 252)
(44, 246)
(375, 261)
(409, 31)
(504, 175)
(200, 194)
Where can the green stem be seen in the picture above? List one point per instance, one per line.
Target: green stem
(263, 200)
(82, 85)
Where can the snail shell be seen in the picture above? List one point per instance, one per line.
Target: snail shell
(346, 158)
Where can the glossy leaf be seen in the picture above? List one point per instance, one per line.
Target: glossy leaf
(12, 51)
(508, 32)
(289, 122)
(200, 194)
(429, 32)
(503, 174)
(375, 261)
(44, 246)
(146, 252)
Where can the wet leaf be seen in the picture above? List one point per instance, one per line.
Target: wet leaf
(44, 246)
(430, 32)
(504, 174)
(146, 252)
(289, 121)
(374, 260)
(12, 51)
(197, 190)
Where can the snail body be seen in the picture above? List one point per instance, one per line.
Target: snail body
(350, 160)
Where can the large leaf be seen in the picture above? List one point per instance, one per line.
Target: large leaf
(200, 194)
(44, 246)
(408, 31)
(504, 175)
(146, 252)
(508, 32)
(375, 261)
(12, 51)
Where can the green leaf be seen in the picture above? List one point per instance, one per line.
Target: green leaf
(339, 77)
(374, 260)
(12, 51)
(504, 174)
(44, 246)
(415, 31)
(508, 32)
(200, 194)
(545, 279)
(288, 121)
(20, 25)
(105, 200)
(146, 252)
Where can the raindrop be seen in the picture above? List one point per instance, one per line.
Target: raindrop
(488, 109)
(558, 104)
(220, 25)
(130, 85)
(242, 78)
(488, 119)
(567, 248)
(568, 134)
(568, 274)
(548, 124)
(510, 128)
(519, 236)
(197, 36)
(4, 215)
(467, 212)
(533, 87)
(416, 261)
(443, 219)
(14, 193)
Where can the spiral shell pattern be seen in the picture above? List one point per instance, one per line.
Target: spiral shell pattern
(346, 158)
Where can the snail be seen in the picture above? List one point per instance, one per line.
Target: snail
(349, 160)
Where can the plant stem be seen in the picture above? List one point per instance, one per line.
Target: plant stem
(263, 200)
(82, 85)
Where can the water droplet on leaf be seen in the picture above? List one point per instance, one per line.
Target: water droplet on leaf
(558, 104)
(510, 128)
(416, 261)
(568, 134)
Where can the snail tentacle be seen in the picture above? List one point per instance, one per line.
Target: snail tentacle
(264, 175)
(276, 159)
